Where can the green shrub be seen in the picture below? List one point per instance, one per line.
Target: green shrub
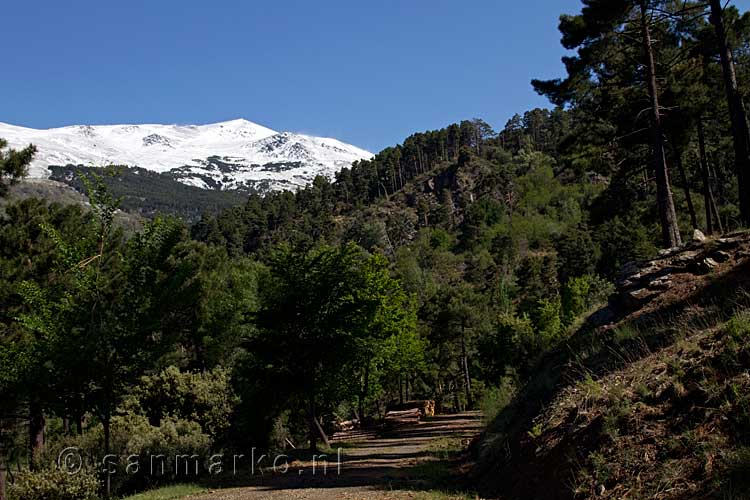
(548, 321)
(582, 293)
(203, 397)
(133, 439)
(496, 399)
(51, 484)
(600, 468)
(590, 390)
(739, 326)
(616, 413)
(536, 431)
(514, 343)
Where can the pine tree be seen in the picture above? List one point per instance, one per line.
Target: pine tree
(14, 165)
(607, 35)
(737, 112)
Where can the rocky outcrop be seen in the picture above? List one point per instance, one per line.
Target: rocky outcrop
(640, 282)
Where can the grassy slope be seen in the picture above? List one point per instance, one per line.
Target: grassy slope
(654, 404)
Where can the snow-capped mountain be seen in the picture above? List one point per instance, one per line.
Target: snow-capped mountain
(234, 154)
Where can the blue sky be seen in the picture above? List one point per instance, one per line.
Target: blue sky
(366, 72)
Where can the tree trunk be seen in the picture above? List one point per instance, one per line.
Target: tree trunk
(107, 426)
(321, 433)
(456, 399)
(314, 426)
(667, 215)
(400, 389)
(705, 176)
(717, 216)
(465, 367)
(36, 433)
(685, 185)
(2, 478)
(363, 392)
(737, 113)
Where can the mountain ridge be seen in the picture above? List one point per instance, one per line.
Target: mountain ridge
(231, 155)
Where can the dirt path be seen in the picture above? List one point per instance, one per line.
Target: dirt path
(406, 463)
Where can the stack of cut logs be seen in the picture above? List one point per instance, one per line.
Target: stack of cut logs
(346, 425)
(410, 412)
(402, 417)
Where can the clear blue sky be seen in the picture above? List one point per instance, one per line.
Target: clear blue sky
(367, 72)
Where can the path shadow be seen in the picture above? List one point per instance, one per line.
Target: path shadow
(402, 459)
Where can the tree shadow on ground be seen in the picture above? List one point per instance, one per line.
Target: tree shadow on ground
(415, 457)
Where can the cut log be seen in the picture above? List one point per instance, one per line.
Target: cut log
(426, 407)
(346, 425)
(402, 417)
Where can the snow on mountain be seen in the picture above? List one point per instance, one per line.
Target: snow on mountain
(234, 154)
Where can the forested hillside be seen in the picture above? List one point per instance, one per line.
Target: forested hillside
(461, 266)
(148, 194)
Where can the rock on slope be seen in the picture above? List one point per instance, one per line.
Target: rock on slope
(649, 399)
(227, 155)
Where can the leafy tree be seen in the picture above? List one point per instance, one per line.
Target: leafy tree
(28, 253)
(114, 315)
(322, 309)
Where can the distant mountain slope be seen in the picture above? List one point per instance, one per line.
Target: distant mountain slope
(235, 154)
(148, 194)
(58, 192)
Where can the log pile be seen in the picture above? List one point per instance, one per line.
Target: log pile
(402, 417)
(426, 407)
(345, 425)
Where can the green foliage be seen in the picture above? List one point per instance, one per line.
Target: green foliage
(623, 241)
(496, 399)
(577, 254)
(615, 417)
(548, 321)
(591, 390)
(144, 454)
(600, 467)
(443, 268)
(14, 165)
(203, 397)
(537, 276)
(739, 326)
(536, 431)
(512, 343)
(324, 315)
(50, 484)
(582, 293)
